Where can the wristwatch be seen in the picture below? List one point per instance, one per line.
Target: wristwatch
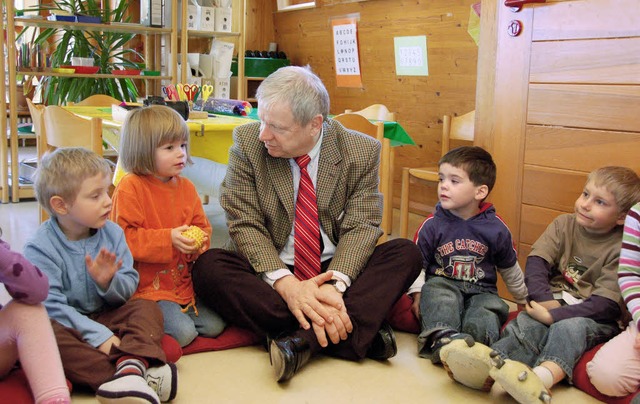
(340, 285)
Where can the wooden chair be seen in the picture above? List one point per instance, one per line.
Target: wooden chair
(459, 128)
(97, 100)
(375, 130)
(376, 111)
(61, 128)
(381, 113)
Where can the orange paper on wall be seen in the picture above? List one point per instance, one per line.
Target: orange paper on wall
(346, 52)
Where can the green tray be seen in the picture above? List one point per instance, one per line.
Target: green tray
(259, 67)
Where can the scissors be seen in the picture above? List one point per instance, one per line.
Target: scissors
(188, 91)
(206, 90)
(170, 92)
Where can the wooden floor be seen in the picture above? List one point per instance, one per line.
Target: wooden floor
(243, 375)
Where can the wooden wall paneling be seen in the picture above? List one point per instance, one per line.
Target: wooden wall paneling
(535, 220)
(419, 102)
(580, 149)
(562, 19)
(259, 29)
(618, 61)
(552, 188)
(585, 106)
(507, 149)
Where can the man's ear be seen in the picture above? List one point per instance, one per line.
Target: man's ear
(58, 205)
(482, 192)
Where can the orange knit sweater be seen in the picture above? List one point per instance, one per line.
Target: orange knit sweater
(147, 209)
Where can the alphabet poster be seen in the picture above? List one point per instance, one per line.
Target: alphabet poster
(346, 53)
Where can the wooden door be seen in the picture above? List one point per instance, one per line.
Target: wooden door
(555, 102)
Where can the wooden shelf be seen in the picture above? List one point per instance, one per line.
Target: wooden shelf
(95, 75)
(83, 26)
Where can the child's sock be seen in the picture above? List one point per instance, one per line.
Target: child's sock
(545, 375)
(131, 365)
(128, 384)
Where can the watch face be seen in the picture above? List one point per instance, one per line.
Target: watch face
(340, 286)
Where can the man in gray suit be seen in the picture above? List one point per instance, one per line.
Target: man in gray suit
(341, 311)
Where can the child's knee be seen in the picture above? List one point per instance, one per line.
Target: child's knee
(213, 328)
(184, 335)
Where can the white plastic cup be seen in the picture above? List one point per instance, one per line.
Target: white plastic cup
(273, 47)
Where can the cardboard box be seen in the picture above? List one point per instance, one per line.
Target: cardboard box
(223, 19)
(192, 16)
(207, 18)
(222, 87)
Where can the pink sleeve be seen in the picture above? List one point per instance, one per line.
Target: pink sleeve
(23, 280)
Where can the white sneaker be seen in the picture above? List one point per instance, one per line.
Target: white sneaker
(127, 389)
(164, 381)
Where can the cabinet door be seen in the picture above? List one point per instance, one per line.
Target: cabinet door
(555, 102)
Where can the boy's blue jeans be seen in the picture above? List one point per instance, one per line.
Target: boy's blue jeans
(461, 306)
(563, 343)
(185, 327)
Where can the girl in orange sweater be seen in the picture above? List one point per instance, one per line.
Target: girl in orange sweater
(155, 206)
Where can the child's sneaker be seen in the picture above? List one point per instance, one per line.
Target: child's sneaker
(164, 381)
(129, 389)
(468, 362)
(519, 381)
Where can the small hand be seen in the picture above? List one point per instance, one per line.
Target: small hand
(415, 306)
(183, 244)
(103, 268)
(539, 312)
(550, 304)
(105, 347)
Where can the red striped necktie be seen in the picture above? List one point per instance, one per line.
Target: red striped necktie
(306, 234)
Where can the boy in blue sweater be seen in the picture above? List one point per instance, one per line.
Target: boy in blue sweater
(464, 245)
(106, 341)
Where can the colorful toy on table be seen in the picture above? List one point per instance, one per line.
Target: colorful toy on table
(223, 106)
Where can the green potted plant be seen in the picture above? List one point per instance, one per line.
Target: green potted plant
(106, 48)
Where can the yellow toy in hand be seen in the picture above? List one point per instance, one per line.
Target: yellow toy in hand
(197, 234)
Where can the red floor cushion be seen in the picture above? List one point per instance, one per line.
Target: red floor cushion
(15, 388)
(171, 348)
(231, 337)
(401, 317)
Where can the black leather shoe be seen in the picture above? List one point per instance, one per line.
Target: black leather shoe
(288, 355)
(384, 345)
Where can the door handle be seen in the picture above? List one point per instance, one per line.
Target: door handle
(516, 5)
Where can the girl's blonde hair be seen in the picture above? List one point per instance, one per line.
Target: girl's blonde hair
(143, 131)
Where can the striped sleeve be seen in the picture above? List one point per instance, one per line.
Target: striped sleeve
(629, 267)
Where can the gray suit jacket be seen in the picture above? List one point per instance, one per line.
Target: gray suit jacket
(257, 195)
